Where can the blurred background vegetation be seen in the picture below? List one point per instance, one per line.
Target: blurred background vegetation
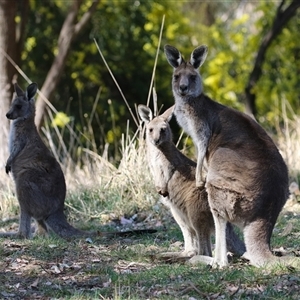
(127, 33)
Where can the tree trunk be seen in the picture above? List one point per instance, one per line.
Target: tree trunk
(8, 10)
(70, 29)
(280, 20)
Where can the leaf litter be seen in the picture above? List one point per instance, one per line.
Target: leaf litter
(86, 267)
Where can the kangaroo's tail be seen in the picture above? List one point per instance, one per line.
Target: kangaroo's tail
(58, 223)
(9, 234)
(234, 243)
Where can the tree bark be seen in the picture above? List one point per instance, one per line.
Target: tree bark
(281, 18)
(69, 31)
(8, 10)
(21, 29)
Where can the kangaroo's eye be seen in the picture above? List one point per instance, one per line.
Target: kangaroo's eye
(176, 77)
(150, 129)
(18, 106)
(193, 77)
(163, 130)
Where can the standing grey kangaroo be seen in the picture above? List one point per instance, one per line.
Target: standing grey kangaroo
(39, 180)
(174, 176)
(247, 179)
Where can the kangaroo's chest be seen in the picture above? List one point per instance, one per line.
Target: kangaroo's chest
(12, 138)
(192, 120)
(160, 168)
(24, 145)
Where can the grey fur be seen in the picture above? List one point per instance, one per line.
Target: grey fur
(39, 180)
(247, 179)
(174, 177)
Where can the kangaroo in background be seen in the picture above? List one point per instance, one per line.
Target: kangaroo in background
(174, 177)
(39, 180)
(247, 179)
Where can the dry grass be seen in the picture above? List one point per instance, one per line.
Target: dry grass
(289, 142)
(124, 186)
(95, 184)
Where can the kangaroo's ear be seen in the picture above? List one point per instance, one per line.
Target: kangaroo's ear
(18, 90)
(145, 113)
(198, 56)
(168, 114)
(31, 90)
(174, 57)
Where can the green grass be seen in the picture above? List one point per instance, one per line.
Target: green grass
(127, 268)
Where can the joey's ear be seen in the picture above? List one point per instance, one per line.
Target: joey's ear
(174, 57)
(31, 90)
(145, 113)
(18, 90)
(198, 56)
(168, 114)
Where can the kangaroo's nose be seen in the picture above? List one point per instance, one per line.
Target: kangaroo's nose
(183, 88)
(156, 142)
(8, 115)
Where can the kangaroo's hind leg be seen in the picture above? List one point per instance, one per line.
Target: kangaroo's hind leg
(218, 201)
(189, 234)
(57, 221)
(257, 238)
(233, 242)
(220, 258)
(24, 225)
(41, 229)
(203, 225)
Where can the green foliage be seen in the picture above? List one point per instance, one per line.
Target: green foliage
(128, 32)
(280, 81)
(233, 49)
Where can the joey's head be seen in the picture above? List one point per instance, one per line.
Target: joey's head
(158, 130)
(186, 80)
(22, 107)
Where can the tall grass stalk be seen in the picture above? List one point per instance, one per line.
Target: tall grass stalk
(289, 140)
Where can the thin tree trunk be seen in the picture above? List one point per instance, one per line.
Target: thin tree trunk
(280, 20)
(70, 30)
(21, 29)
(8, 10)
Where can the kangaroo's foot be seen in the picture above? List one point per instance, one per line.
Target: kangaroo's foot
(201, 259)
(187, 254)
(9, 235)
(15, 235)
(173, 257)
(272, 261)
(280, 262)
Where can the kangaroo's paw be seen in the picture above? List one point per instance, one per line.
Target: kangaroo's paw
(200, 184)
(163, 193)
(216, 264)
(7, 168)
